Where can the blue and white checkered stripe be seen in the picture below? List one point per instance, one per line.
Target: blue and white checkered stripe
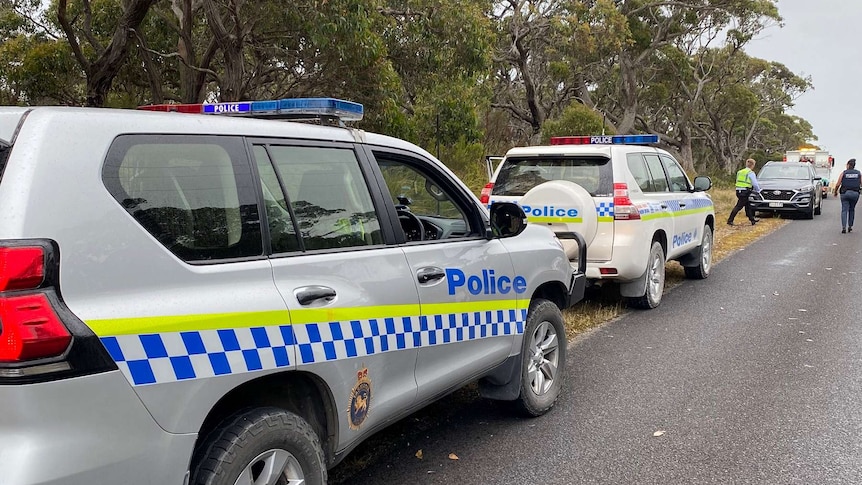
(177, 356)
(605, 209)
(322, 342)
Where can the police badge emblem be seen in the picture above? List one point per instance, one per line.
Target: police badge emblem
(360, 400)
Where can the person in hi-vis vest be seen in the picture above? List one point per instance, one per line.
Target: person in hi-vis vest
(848, 185)
(746, 182)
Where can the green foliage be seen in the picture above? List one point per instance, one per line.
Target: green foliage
(576, 119)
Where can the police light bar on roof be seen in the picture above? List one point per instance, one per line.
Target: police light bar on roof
(295, 108)
(605, 140)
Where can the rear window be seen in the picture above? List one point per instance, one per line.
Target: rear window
(519, 175)
(194, 194)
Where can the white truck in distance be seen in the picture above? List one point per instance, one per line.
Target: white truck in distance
(822, 160)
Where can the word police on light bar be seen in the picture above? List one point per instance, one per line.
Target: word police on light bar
(290, 108)
(605, 140)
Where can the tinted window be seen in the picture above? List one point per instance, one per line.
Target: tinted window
(195, 195)
(282, 230)
(519, 175)
(659, 181)
(328, 196)
(678, 180)
(638, 169)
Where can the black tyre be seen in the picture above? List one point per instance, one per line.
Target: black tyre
(817, 209)
(704, 253)
(543, 358)
(261, 446)
(655, 280)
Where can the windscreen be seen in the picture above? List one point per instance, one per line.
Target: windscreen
(519, 175)
(781, 171)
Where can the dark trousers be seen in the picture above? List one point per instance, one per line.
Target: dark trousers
(848, 207)
(742, 201)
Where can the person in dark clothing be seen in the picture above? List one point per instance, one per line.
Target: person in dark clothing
(848, 186)
(746, 182)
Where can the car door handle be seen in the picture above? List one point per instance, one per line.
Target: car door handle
(309, 294)
(682, 205)
(664, 206)
(426, 275)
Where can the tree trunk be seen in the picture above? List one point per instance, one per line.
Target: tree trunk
(102, 71)
(628, 95)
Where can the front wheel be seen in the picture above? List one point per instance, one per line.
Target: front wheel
(543, 357)
(654, 280)
(262, 446)
(704, 252)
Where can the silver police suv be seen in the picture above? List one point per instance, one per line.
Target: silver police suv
(210, 299)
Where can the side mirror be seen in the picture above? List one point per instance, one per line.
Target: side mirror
(507, 219)
(702, 183)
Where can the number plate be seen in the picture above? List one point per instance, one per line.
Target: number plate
(776, 204)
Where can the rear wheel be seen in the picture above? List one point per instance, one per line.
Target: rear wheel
(262, 446)
(817, 209)
(543, 357)
(701, 271)
(654, 280)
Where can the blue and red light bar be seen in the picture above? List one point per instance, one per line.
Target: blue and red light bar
(605, 140)
(287, 108)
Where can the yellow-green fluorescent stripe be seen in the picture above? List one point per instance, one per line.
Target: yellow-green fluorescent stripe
(217, 321)
(606, 219)
(549, 220)
(182, 323)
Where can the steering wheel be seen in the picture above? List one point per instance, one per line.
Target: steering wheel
(412, 225)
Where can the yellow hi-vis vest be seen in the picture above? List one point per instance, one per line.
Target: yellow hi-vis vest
(742, 180)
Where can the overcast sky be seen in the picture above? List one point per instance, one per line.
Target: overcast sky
(822, 39)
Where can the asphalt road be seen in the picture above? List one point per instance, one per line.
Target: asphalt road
(751, 376)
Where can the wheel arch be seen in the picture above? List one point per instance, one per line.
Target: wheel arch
(554, 291)
(301, 393)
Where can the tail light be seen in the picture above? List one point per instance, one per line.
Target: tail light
(624, 210)
(39, 337)
(485, 196)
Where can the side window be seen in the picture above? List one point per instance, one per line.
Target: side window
(659, 181)
(282, 230)
(327, 195)
(638, 169)
(194, 194)
(423, 200)
(678, 180)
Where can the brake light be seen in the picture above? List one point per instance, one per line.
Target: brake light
(21, 268)
(30, 329)
(624, 210)
(485, 196)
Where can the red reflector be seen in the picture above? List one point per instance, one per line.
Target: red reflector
(608, 271)
(21, 268)
(30, 329)
(485, 196)
(179, 108)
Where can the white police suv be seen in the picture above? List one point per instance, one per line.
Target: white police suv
(632, 202)
(220, 300)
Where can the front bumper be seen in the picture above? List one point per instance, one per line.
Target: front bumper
(798, 203)
(578, 285)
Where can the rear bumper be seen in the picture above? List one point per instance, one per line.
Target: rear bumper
(89, 430)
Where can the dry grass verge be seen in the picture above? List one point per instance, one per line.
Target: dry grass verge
(604, 305)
